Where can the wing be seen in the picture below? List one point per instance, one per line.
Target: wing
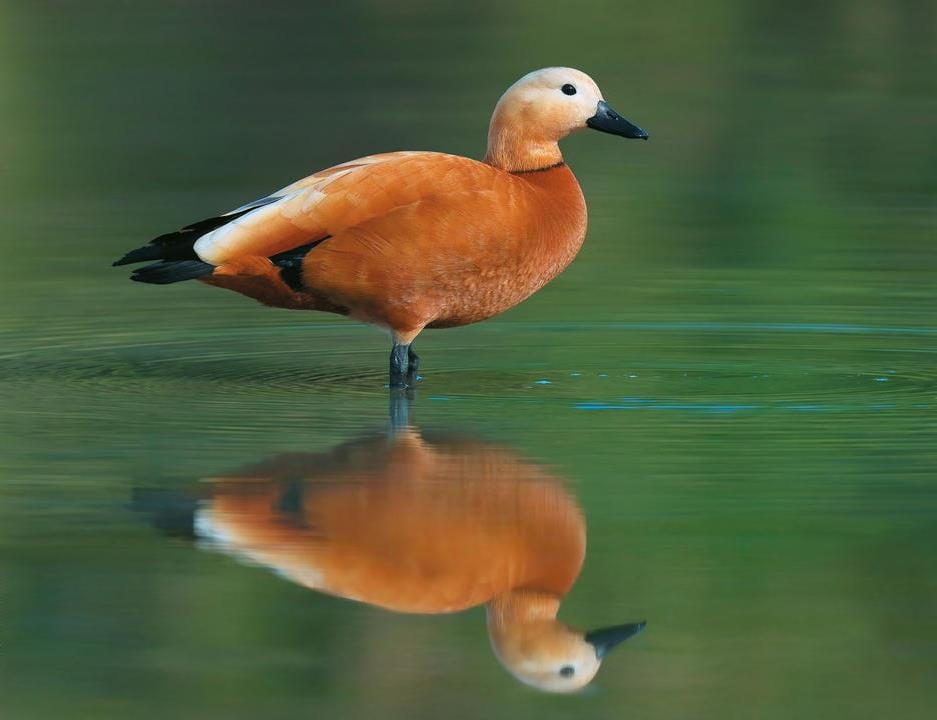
(336, 199)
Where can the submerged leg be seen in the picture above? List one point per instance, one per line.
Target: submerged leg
(399, 365)
(403, 361)
(400, 399)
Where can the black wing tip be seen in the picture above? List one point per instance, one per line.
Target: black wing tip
(180, 244)
(174, 246)
(172, 271)
(140, 254)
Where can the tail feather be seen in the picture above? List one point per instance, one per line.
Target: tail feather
(171, 271)
(171, 512)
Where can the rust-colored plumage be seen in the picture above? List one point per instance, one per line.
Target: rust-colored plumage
(407, 525)
(411, 240)
(420, 525)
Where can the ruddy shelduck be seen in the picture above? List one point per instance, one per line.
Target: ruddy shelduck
(411, 240)
(416, 525)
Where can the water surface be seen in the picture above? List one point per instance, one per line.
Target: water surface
(735, 381)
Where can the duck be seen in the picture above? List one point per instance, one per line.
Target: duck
(419, 524)
(410, 240)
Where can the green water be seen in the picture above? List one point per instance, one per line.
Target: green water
(736, 379)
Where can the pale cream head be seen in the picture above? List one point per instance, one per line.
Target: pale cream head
(534, 114)
(542, 108)
(542, 652)
(546, 655)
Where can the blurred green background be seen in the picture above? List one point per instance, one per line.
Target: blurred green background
(736, 376)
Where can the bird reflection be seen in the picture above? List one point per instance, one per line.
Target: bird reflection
(417, 523)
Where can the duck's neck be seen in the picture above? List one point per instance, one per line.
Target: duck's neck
(520, 620)
(513, 145)
(520, 607)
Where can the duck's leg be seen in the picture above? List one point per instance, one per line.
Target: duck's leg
(403, 361)
(399, 365)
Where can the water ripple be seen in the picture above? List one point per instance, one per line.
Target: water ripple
(609, 366)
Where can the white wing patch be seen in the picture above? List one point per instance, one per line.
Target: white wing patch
(217, 533)
(225, 242)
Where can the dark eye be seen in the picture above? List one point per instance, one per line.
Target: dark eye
(568, 670)
(568, 89)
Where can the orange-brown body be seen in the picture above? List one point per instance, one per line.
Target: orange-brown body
(411, 526)
(426, 240)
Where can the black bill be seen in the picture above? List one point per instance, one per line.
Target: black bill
(609, 121)
(607, 638)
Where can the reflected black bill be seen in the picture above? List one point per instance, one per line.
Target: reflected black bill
(605, 639)
(609, 121)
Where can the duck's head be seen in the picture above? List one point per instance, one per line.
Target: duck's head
(542, 108)
(543, 652)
